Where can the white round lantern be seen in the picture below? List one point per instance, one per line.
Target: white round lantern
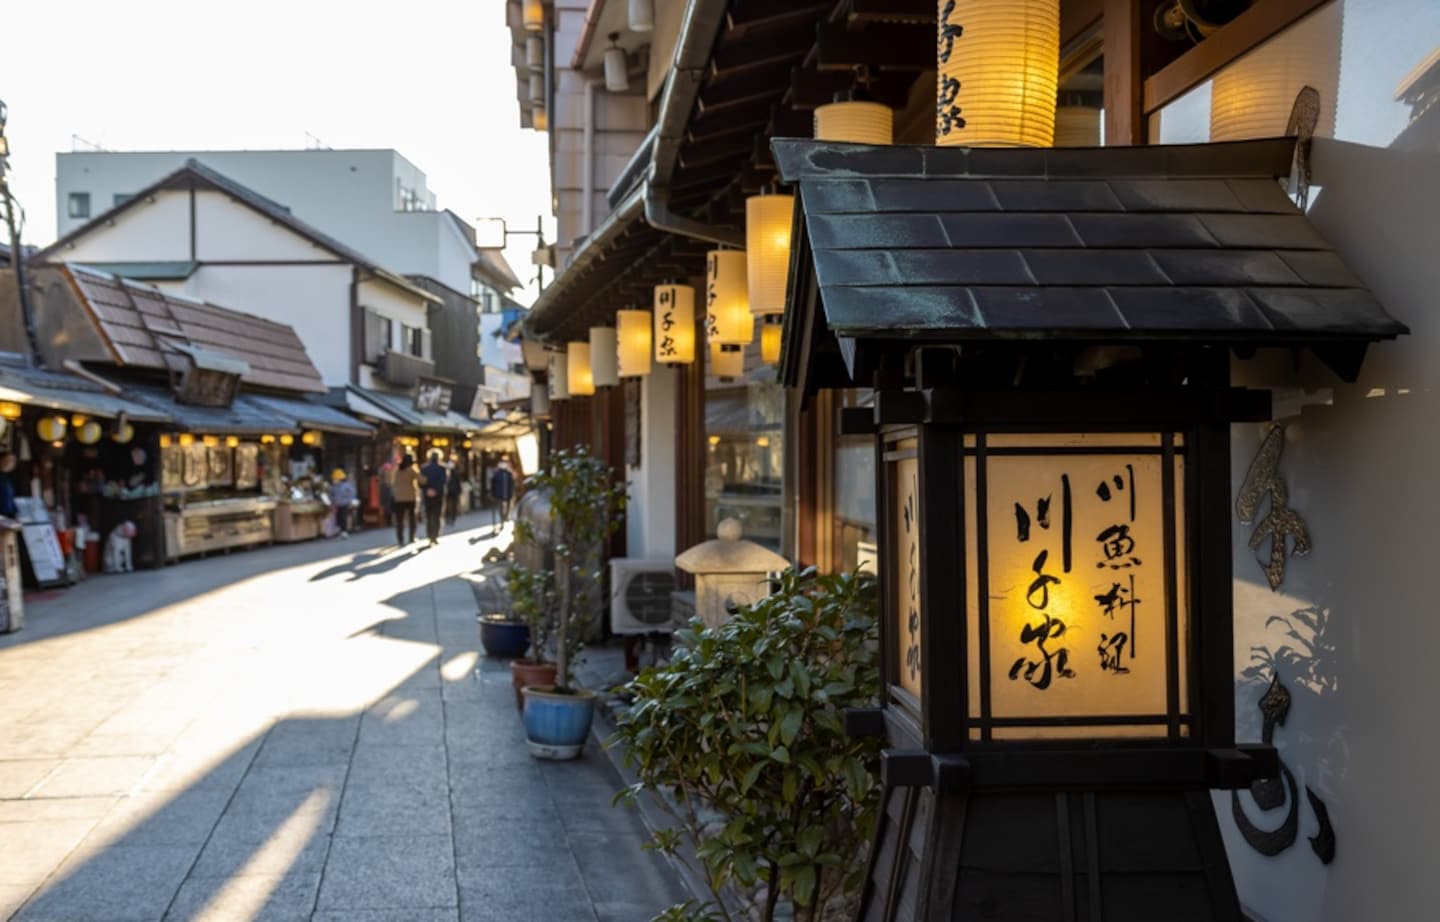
(556, 368)
(674, 324)
(578, 376)
(727, 360)
(604, 356)
(855, 121)
(1252, 97)
(633, 343)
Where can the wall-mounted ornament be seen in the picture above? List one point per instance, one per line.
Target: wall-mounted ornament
(1281, 525)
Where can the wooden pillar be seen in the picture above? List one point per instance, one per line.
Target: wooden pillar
(1124, 117)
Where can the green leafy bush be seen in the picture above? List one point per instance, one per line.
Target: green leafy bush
(532, 600)
(747, 721)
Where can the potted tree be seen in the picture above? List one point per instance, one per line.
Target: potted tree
(585, 508)
(532, 603)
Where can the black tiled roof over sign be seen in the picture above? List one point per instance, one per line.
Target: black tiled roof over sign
(1102, 244)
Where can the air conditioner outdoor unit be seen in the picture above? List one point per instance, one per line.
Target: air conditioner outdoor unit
(640, 596)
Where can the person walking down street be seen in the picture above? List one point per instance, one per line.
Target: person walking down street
(342, 500)
(452, 491)
(404, 490)
(433, 478)
(502, 489)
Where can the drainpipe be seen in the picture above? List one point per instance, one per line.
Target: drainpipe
(587, 204)
(703, 20)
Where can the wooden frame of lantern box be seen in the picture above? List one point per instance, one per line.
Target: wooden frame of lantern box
(1056, 640)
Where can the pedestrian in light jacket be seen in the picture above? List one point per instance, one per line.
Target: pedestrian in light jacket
(433, 478)
(404, 489)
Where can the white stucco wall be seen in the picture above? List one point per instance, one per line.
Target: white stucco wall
(388, 300)
(650, 519)
(228, 230)
(157, 230)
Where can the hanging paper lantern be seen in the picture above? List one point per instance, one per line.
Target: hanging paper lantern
(538, 119)
(267, 440)
(211, 441)
(617, 67)
(287, 439)
(674, 324)
(539, 403)
(633, 342)
(604, 356)
(532, 15)
(770, 337)
(557, 368)
(999, 66)
(77, 420)
(311, 438)
(124, 433)
(232, 441)
(767, 245)
(727, 360)
(1252, 97)
(578, 376)
(535, 53)
(640, 15)
(164, 441)
(537, 89)
(9, 410)
(534, 352)
(856, 122)
(89, 432)
(1077, 126)
(51, 428)
(727, 298)
(186, 439)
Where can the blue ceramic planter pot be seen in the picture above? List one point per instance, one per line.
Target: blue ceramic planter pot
(556, 725)
(502, 637)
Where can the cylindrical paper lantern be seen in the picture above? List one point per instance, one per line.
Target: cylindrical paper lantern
(640, 15)
(767, 246)
(10, 410)
(534, 353)
(604, 357)
(124, 433)
(232, 441)
(537, 89)
(286, 439)
(727, 360)
(186, 439)
(532, 15)
(539, 403)
(998, 63)
(539, 120)
(1252, 98)
(1077, 126)
(212, 441)
(556, 367)
(674, 324)
(727, 298)
(617, 69)
(855, 121)
(535, 53)
(633, 347)
(770, 337)
(89, 432)
(577, 370)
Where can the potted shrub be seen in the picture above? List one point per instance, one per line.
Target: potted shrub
(532, 603)
(585, 508)
(742, 735)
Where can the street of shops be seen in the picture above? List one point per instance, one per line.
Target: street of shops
(302, 732)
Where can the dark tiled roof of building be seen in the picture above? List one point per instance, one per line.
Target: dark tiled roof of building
(1106, 244)
(148, 328)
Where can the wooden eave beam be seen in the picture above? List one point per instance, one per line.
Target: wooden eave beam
(754, 86)
(892, 11)
(886, 46)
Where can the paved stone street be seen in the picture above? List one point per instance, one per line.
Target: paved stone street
(297, 732)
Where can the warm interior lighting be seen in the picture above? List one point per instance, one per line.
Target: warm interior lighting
(467, 444)
(674, 324)
(78, 419)
(767, 244)
(186, 439)
(51, 428)
(727, 298)
(88, 432)
(287, 439)
(633, 347)
(727, 360)
(9, 410)
(770, 339)
(713, 440)
(556, 368)
(232, 441)
(211, 441)
(538, 120)
(856, 122)
(311, 438)
(1077, 126)
(998, 63)
(267, 440)
(164, 440)
(1252, 97)
(577, 370)
(604, 356)
(532, 15)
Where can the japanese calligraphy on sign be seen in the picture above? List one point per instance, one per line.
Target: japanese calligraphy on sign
(665, 323)
(947, 111)
(1076, 567)
(907, 589)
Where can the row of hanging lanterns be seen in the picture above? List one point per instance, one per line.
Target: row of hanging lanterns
(87, 431)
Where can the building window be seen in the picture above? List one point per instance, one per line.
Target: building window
(121, 198)
(378, 333)
(79, 206)
(745, 452)
(417, 342)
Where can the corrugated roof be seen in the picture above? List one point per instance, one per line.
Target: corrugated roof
(71, 393)
(310, 415)
(402, 407)
(1108, 244)
(243, 417)
(148, 328)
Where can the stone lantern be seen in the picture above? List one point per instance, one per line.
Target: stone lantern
(729, 572)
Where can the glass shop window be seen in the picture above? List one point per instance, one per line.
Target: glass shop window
(856, 538)
(744, 451)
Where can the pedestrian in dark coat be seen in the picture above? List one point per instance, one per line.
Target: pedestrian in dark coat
(433, 478)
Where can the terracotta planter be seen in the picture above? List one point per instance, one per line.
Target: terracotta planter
(523, 673)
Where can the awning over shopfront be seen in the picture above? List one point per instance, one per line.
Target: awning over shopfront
(400, 408)
(240, 418)
(1194, 243)
(70, 393)
(310, 415)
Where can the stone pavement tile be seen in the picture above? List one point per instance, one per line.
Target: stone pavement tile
(248, 848)
(389, 915)
(259, 898)
(395, 872)
(12, 897)
(95, 776)
(407, 720)
(115, 884)
(17, 776)
(520, 840)
(393, 810)
(489, 783)
(33, 850)
(617, 869)
(162, 818)
(48, 809)
(54, 738)
(279, 790)
(300, 741)
(419, 765)
(553, 893)
(191, 766)
(124, 744)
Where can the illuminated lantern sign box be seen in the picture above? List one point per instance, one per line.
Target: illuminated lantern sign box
(1051, 419)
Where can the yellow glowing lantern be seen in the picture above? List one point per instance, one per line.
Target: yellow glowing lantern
(674, 324)
(577, 370)
(164, 441)
(311, 438)
(767, 244)
(532, 15)
(855, 121)
(186, 439)
(998, 63)
(51, 428)
(557, 375)
(267, 440)
(727, 360)
(604, 359)
(1077, 126)
(762, 442)
(714, 440)
(727, 298)
(124, 433)
(633, 342)
(9, 410)
(440, 441)
(211, 441)
(78, 419)
(467, 444)
(89, 432)
(1252, 98)
(287, 439)
(539, 120)
(771, 331)
(232, 441)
